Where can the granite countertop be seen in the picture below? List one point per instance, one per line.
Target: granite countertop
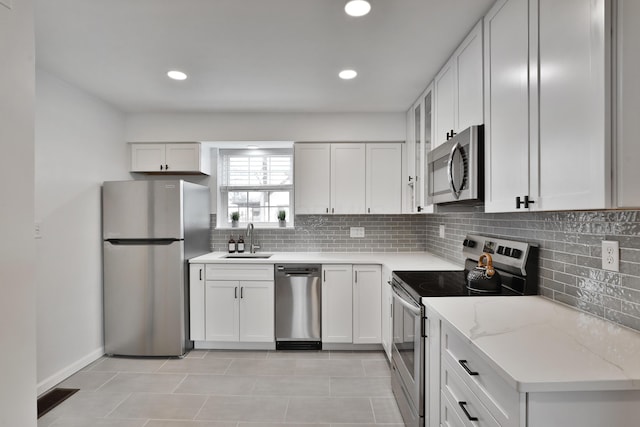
(393, 261)
(538, 345)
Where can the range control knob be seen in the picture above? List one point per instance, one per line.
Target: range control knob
(516, 253)
(500, 250)
(469, 243)
(507, 251)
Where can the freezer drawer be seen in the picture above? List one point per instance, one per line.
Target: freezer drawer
(144, 299)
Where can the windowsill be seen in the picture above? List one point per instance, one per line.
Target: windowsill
(266, 227)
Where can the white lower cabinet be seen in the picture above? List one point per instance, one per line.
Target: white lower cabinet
(351, 304)
(367, 316)
(337, 303)
(232, 303)
(386, 312)
(474, 394)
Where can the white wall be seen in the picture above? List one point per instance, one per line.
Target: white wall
(79, 143)
(17, 249)
(163, 127)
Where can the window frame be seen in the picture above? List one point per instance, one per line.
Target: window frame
(224, 189)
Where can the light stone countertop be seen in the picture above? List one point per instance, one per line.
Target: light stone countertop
(538, 345)
(392, 260)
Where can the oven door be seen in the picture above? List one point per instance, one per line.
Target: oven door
(408, 357)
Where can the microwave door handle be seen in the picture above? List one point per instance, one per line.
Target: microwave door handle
(452, 185)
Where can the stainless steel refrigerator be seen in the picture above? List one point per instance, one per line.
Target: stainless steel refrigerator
(150, 230)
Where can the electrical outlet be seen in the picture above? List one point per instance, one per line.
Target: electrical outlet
(356, 232)
(610, 255)
(442, 231)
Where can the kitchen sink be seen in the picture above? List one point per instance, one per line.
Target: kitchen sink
(248, 256)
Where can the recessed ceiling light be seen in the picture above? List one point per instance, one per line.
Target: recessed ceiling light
(177, 75)
(252, 147)
(357, 7)
(347, 74)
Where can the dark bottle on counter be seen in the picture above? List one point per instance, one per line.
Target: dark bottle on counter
(240, 243)
(232, 244)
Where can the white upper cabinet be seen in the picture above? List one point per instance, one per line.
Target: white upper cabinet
(171, 158)
(458, 89)
(469, 92)
(507, 104)
(547, 136)
(628, 105)
(348, 179)
(383, 178)
(312, 165)
(574, 123)
(420, 130)
(444, 86)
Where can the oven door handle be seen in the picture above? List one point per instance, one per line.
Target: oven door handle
(411, 307)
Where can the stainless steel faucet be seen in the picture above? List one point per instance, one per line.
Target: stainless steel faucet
(250, 232)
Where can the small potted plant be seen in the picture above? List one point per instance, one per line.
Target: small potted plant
(282, 216)
(235, 216)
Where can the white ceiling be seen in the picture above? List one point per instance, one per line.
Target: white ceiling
(250, 55)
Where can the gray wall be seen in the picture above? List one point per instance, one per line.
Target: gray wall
(330, 233)
(570, 250)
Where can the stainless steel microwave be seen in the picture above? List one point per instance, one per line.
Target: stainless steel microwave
(456, 168)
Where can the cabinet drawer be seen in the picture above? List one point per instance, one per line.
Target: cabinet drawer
(463, 402)
(239, 271)
(448, 413)
(499, 397)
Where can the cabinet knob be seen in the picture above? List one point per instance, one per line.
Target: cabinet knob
(419, 208)
(161, 167)
(166, 167)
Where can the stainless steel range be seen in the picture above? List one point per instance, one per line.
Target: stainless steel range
(516, 263)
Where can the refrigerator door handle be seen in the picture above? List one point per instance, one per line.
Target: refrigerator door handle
(134, 242)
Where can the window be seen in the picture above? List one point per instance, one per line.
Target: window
(257, 184)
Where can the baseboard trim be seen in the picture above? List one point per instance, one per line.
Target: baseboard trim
(64, 373)
(215, 345)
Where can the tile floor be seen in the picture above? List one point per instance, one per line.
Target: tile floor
(232, 389)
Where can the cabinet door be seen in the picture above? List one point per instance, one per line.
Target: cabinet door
(444, 87)
(384, 178)
(574, 126)
(337, 303)
(182, 157)
(469, 91)
(256, 311)
(628, 108)
(386, 311)
(348, 180)
(506, 104)
(367, 306)
(312, 178)
(222, 310)
(147, 157)
(196, 302)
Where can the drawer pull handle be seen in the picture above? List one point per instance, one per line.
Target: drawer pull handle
(463, 363)
(463, 406)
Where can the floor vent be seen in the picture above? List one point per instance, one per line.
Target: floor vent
(53, 398)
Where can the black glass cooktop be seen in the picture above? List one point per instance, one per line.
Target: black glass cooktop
(440, 284)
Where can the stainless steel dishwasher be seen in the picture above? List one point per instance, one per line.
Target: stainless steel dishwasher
(298, 309)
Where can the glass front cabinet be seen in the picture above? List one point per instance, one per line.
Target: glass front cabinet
(419, 137)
